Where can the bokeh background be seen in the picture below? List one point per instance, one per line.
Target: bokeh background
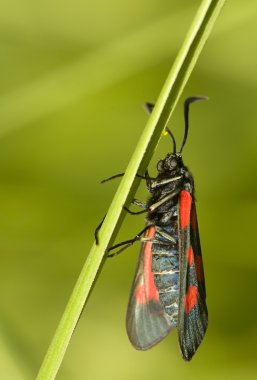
(74, 76)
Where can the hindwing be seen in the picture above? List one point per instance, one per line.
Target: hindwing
(147, 322)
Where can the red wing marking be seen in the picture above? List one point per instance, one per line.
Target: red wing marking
(190, 299)
(193, 314)
(184, 208)
(190, 255)
(147, 291)
(150, 288)
(199, 268)
(147, 322)
(140, 294)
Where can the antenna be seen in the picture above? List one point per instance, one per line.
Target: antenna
(149, 107)
(187, 103)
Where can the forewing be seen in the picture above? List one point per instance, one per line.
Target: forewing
(193, 314)
(146, 322)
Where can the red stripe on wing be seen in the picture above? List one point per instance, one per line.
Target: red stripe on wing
(191, 298)
(147, 292)
(185, 202)
(190, 255)
(193, 314)
(140, 294)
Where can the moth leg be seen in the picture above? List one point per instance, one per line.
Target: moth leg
(122, 174)
(136, 202)
(112, 177)
(127, 243)
(146, 176)
(157, 183)
(163, 200)
(133, 212)
(97, 231)
(149, 181)
(140, 204)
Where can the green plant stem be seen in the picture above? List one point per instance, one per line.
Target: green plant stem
(169, 96)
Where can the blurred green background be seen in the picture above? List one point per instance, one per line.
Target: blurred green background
(73, 78)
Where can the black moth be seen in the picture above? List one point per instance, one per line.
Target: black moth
(168, 290)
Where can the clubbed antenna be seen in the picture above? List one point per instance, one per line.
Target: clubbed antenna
(187, 103)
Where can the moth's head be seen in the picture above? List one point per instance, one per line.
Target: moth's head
(172, 162)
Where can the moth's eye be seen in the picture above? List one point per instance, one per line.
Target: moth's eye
(173, 163)
(160, 166)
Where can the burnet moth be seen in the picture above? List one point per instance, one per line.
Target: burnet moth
(168, 290)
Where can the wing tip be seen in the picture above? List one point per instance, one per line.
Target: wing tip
(144, 346)
(188, 351)
(147, 326)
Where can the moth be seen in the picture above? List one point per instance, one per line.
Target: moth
(168, 290)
